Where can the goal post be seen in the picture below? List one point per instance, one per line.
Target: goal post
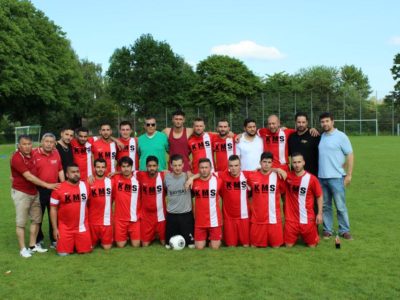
(360, 121)
(32, 130)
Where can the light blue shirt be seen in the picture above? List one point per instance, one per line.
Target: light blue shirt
(333, 149)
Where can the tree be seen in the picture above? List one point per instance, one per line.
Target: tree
(394, 96)
(149, 74)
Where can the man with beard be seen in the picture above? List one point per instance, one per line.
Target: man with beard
(105, 148)
(223, 145)
(82, 152)
(64, 147)
(69, 214)
(130, 144)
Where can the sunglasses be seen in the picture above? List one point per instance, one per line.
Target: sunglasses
(151, 124)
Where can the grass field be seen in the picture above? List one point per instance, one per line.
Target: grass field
(366, 268)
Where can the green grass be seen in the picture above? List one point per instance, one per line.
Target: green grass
(368, 267)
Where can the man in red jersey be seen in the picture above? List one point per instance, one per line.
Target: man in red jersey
(153, 202)
(200, 145)
(266, 222)
(25, 195)
(302, 189)
(49, 169)
(127, 210)
(99, 206)
(130, 147)
(105, 148)
(69, 214)
(82, 152)
(208, 221)
(223, 145)
(178, 137)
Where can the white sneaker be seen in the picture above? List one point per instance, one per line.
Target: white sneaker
(25, 253)
(167, 246)
(39, 249)
(191, 246)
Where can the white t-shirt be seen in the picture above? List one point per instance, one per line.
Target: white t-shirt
(250, 152)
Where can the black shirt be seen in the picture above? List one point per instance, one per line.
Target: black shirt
(307, 145)
(66, 156)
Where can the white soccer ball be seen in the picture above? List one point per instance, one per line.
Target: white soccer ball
(177, 242)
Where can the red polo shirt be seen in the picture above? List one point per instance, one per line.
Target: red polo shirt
(19, 165)
(47, 165)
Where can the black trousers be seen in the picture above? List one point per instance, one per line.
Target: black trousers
(44, 196)
(182, 224)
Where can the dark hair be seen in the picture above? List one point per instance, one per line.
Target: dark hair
(223, 120)
(178, 113)
(151, 158)
(176, 157)
(266, 155)
(326, 115)
(65, 128)
(205, 159)
(247, 121)
(297, 154)
(71, 165)
(234, 157)
(105, 124)
(149, 118)
(25, 137)
(301, 114)
(123, 123)
(100, 160)
(125, 160)
(81, 129)
(198, 119)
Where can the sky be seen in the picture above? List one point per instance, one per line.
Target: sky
(268, 36)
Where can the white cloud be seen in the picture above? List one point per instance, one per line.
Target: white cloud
(248, 49)
(395, 40)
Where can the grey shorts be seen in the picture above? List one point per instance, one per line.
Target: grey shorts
(26, 205)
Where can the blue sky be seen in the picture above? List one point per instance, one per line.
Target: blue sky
(269, 36)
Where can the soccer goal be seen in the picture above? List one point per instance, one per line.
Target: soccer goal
(364, 125)
(32, 130)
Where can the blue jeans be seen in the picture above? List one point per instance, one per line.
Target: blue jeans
(334, 188)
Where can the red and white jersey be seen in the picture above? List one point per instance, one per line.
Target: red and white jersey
(107, 151)
(152, 196)
(71, 200)
(277, 144)
(223, 149)
(126, 195)
(301, 192)
(100, 202)
(234, 195)
(201, 147)
(206, 197)
(130, 150)
(83, 156)
(267, 190)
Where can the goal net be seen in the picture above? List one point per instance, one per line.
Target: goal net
(32, 130)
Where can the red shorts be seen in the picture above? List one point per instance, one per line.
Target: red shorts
(213, 233)
(150, 228)
(72, 239)
(124, 230)
(236, 231)
(263, 235)
(102, 234)
(308, 233)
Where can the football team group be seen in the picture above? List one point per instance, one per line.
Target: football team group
(216, 187)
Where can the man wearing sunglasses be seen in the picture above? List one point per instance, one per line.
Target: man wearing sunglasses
(152, 142)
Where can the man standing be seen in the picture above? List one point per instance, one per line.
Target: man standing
(25, 195)
(200, 145)
(153, 202)
(152, 143)
(178, 137)
(179, 208)
(64, 147)
(250, 146)
(82, 152)
(208, 221)
(304, 143)
(302, 191)
(223, 145)
(335, 155)
(49, 169)
(99, 207)
(127, 214)
(69, 214)
(105, 147)
(130, 147)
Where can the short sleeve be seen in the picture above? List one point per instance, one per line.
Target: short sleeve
(54, 198)
(316, 187)
(346, 145)
(18, 164)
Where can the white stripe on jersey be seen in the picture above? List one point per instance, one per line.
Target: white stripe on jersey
(282, 146)
(113, 153)
(229, 147)
(305, 181)
(107, 204)
(159, 199)
(271, 197)
(88, 147)
(212, 185)
(132, 155)
(134, 199)
(82, 212)
(54, 201)
(209, 153)
(244, 213)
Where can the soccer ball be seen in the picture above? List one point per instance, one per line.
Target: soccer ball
(177, 242)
